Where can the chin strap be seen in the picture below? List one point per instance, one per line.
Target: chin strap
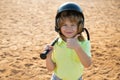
(88, 36)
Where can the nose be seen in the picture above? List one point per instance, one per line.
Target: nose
(69, 27)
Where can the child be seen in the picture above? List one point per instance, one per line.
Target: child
(71, 53)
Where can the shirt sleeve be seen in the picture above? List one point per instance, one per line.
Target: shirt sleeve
(86, 46)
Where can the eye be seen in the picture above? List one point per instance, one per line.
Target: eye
(72, 25)
(64, 25)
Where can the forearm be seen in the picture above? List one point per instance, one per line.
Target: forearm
(84, 58)
(50, 64)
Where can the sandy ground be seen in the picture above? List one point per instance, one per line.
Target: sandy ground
(26, 26)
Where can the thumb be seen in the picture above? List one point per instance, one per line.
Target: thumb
(76, 37)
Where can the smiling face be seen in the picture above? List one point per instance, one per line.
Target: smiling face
(69, 29)
(69, 24)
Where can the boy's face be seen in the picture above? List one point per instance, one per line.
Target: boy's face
(69, 29)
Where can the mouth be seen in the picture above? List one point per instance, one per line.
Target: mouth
(69, 32)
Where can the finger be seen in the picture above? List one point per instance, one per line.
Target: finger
(68, 39)
(48, 47)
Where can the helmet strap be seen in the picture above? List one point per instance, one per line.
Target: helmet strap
(88, 36)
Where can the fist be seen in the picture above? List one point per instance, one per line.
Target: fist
(49, 47)
(72, 42)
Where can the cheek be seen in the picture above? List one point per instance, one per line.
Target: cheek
(75, 30)
(62, 29)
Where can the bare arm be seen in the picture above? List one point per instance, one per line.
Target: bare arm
(49, 63)
(84, 58)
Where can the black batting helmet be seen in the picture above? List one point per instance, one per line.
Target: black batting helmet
(69, 6)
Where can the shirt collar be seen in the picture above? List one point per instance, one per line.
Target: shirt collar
(61, 41)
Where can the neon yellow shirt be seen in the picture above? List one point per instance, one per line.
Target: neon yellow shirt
(68, 65)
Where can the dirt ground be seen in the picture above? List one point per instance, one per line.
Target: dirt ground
(26, 26)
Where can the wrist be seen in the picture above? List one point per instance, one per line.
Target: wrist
(48, 55)
(77, 47)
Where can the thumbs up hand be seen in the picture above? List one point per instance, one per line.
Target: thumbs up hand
(72, 42)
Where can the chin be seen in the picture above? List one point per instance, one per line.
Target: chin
(69, 37)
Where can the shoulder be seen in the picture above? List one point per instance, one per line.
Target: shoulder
(85, 42)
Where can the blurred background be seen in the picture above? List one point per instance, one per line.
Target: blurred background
(26, 26)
